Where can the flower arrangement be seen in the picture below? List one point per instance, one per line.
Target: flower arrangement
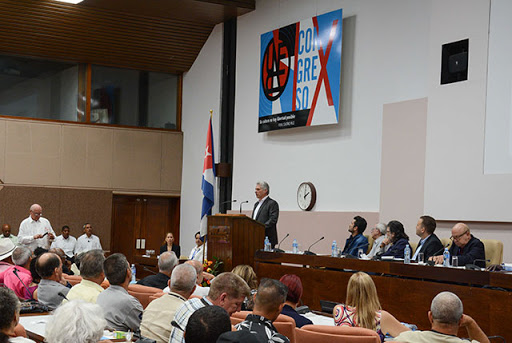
(211, 269)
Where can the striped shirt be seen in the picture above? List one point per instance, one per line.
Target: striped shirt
(182, 316)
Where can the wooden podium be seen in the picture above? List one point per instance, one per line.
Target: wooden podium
(234, 238)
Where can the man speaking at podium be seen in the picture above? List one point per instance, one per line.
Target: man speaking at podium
(266, 211)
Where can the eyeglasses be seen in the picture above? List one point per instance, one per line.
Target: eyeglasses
(456, 238)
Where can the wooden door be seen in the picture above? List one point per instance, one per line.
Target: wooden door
(159, 216)
(126, 221)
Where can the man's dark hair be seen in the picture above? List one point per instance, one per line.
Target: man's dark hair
(65, 227)
(271, 294)
(45, 269)
(39, 251)
(91, 263)
(397, 228)
(207, 324)
(360, 222)
(115, 267)
(429, 224)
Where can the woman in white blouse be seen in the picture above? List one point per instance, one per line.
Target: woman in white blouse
(197, 252)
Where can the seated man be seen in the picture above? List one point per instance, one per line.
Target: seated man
(66, 263)
(227, 291)
(469, 249)
(6, 234)
(91, 271)
(18, 277)
(166, 264)
(446, 316)
(65, 242)
(87, 241)
(207, 324)
(122, 311)
(268, 304)
(9, 316)
(378, 234)
(52, 289)
(160, 312)
(356, 240)
(200, 290)
(6, 249)
(429, 243)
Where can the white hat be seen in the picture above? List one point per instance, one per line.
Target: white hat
(6, 248)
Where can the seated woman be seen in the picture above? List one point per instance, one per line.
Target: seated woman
(247, 273)
(9, 316)
(362, 308)
(398, 239)
(197, 252)
(170, 246)
(295, 289)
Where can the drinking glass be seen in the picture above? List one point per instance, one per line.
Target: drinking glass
(455, 261)
(421, 258)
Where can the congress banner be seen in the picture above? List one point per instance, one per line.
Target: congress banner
(300, 73)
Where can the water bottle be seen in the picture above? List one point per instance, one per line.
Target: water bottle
(295, 247)
(134, 271)
(407, 254)
(266, 246)
(334, 249)
(446, 257)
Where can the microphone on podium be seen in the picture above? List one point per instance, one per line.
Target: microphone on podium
(228, 201)
(243, 202)
(309, 252)
(279, 245)
(473, 266)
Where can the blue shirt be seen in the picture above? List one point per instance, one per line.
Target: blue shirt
(354, 243)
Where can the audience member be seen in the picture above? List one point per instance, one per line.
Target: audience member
(200, 291)
(356, 240)
(66, 263)
(268, 304)
(469, 249)
(76, 321)
(247, 273)
(362, 308)
(87, 241)
(166, 264)
(9, 316)
(398, 239)
(122, 311)
(294, 285)
(52, 289)
(36, 231)
(378, 234)
(18, 277)
(207, 324)
(160, 312)
(6, 250)
(429, 243)
(227, 290)
(91, 271)
(170, 246)
(446, 316)
(199, 250)
(35, 275)
(6, 234)
(239, 337)
(65, 242)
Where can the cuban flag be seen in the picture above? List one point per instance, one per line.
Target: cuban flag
(208, 180)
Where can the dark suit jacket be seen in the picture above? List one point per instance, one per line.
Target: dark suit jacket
(397, 249)
(472, 251)
(175, 248)
(431, 246)
(268, 215)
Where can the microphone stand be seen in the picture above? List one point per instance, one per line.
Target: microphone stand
(279, 245)
(309, 252)
(243, 202)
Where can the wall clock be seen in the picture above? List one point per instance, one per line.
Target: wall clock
(306, 196)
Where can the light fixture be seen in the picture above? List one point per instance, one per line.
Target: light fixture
(71, 1)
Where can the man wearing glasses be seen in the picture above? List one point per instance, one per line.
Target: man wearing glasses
(36, 231)
(469, 249)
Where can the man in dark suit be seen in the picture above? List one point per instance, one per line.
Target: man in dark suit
(429, 243)
(266, 211)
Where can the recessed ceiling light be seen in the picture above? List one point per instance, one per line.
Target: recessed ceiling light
(71, 1)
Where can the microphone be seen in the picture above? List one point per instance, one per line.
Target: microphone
(473, 266)
(280, 250)
(308, 252)
(62, 295)
(430, 262)
(15, 271)
(243, 202)
(228, 201)
(149, 270)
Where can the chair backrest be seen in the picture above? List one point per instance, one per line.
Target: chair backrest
(241, 315)
(143, 293)
(445, 241)
(414, 246)
(72, 279)
(285, 325)
(335, 334)
(370, 243)
(493, 250)
(235, 320)
(155, 296)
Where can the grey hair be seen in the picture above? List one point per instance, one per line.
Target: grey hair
(167, 261)
(381, 227)
(21, 255)
(91, 263)
(264, 185)
(9, 307)
(446, 308)
(183, 278)
(76, 321)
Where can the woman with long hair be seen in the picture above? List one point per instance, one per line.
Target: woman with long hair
(398, 239)
(170, 246)
(247, 273)
(362, 308)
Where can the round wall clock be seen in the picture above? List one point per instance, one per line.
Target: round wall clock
(306, 196)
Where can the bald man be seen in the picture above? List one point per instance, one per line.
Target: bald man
(6, 234)
(36, 231)
(469, 249)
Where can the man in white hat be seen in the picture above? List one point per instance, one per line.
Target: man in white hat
(6, 249)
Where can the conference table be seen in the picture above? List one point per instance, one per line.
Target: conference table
(405, 290)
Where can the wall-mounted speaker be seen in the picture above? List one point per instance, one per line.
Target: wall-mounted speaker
(454, 61)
